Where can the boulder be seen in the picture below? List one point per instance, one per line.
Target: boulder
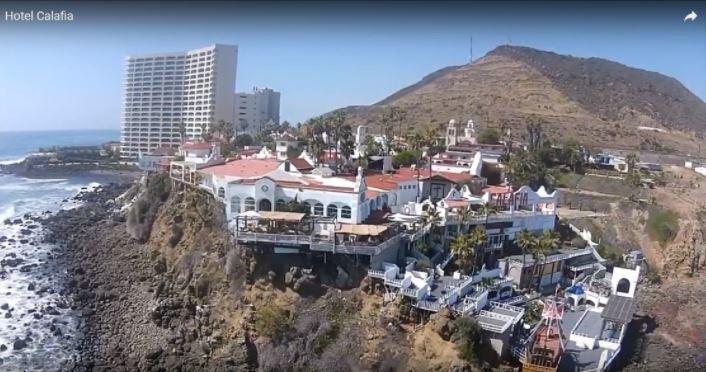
(19, 344)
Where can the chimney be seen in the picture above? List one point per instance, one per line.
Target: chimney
(287, 165)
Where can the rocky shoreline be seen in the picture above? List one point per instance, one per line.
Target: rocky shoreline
(131, 313)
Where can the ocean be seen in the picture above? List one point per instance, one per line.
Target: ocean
(29, 289)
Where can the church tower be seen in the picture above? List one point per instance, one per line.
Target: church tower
(451, 134)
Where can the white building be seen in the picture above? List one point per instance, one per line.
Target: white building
(165, 89)
(256, 108)
(282, 143)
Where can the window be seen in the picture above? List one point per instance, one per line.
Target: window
(249, 204)
(437, 191)
(221, 192)
(332, 211)
(318, 209)
(346, 212)
(235, 205)
(307, 207)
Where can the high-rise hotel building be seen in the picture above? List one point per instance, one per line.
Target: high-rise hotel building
(165, 90)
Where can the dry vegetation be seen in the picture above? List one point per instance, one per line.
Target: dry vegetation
(577, 98)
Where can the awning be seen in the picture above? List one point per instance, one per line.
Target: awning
(371, 230)
(282, 216)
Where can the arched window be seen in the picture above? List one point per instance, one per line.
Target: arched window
(307, 207)
(280, 205)
(221, 192)
(346, 212)
(318, 209)
(249, 204)
(623, 286)
(332, 210)
(235, 204)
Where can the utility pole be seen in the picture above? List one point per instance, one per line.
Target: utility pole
(471, 50)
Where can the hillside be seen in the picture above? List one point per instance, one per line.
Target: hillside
(597, 101)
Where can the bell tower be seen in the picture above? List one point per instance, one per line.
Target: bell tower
(451, 134)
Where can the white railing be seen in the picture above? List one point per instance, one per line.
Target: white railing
(429, 305)
(376, 273)
(394, 282)
(409, 292)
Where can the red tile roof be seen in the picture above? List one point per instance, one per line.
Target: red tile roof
(456, 203)
(301, 164)
(243, 168)
(196, 146)
(496, 189)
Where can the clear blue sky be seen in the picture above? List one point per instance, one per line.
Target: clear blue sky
(320, 56)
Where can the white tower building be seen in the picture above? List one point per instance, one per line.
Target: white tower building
(256, 108)
(166, 89)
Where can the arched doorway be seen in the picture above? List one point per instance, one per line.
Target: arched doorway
(623, 286)
(264, 205)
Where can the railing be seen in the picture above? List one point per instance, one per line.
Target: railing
(376, 274)
(394, 282)
(409, 292)
(428, 305)
(317, 244)
(273, 238)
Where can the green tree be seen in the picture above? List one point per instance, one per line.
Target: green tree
(372, 147)
(244, 140)
(526, 241)
(462, 251)
(432, 145)
(477, 240)
(405, 158)
(432, 218)
(488, 136)
(547, 242)
(464, 216)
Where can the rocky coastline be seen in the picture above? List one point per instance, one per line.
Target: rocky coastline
(131, 314)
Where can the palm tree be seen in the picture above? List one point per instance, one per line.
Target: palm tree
(477, 239)
(464, 216)
(486, 209)
(525, 240)
(547, 242)
(432, 144)
(182, 132)
(432, 218)
(462, 251)
(632, 159)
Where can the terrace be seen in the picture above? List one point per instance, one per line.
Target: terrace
(319, 233)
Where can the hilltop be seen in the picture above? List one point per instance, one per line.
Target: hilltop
(600, 102)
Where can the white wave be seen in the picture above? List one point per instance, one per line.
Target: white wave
(13, 161)
(8, 212)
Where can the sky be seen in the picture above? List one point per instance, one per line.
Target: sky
(320, 56)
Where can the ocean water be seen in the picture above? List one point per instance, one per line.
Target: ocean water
(46, 348)
(15, 145)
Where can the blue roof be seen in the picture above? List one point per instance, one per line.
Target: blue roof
(575, 290)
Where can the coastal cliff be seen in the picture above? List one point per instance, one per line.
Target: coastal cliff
(158, 285)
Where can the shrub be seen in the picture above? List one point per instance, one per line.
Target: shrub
(159, 187)
(273, 322)
(578, 242)
(467, 334)
(326, 336)
(663, 226)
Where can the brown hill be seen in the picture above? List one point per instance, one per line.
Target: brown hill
(599, 102)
